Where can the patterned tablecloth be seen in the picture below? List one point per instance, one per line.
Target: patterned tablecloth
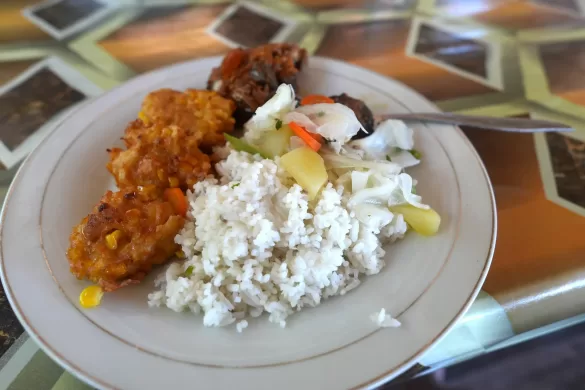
(523, 58)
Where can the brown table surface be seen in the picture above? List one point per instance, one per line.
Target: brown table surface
(523, 58)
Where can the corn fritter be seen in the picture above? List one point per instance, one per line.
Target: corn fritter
(126, 233)
(163, 156)
(133, 229)
(201, 113)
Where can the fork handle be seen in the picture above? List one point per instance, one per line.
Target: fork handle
(516, 125)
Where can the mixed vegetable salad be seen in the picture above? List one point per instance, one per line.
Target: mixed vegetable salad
(314, 144)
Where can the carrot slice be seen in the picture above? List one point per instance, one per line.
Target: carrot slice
(318, 137)
(176, 198)
(307, 137)
(315, 99)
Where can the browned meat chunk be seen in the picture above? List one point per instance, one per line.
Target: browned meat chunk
(250, 77)
(361, 110)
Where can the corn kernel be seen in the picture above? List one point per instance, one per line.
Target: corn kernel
(180, 254)
(112, 239)
(91, 296)
(146, 189)
(161, 174)
(142, 116)
(173, 182)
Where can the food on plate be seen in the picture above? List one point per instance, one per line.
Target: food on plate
(307, 168)
(315, 99)
(250, 76)
(312, 140)
(203, 114)
(243, 146)
(125, 235)
(255, 243)
(392, 141)
(277, 142)
(425, 221)
(299, 211)
(91, 296)
(384, 320)
(159, 155)
(361, 110)
(133, 229)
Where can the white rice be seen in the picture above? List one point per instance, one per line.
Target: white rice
(255, 244)
(240, 326)
(384, 320)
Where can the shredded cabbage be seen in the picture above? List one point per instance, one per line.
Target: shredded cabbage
(282, 102)
(296, 142)
(373, 216)
(405, 183)
(371, 187)
(337, 161)
(344, 179)
(403, 158)
(336, 122)
(375, 195)
(392, 139)
(266, 116)
(359, 180)
(300, 119)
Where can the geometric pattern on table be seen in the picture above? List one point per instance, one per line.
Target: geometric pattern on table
(555, 83)
(412, 41)
(119, 46)
(418, 55)
(64, 18)
(562, 159)
(512, 15)
(36, 86)
(15, 28)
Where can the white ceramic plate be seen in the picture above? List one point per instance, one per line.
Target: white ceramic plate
(428, 282)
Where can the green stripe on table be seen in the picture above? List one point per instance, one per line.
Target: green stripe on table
(40, 370)
(69, 382)
(25, 367)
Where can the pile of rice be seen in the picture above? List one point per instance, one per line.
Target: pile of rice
(256, 244)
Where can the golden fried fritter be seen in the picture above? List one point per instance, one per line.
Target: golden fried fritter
(127, 233)
(201, 113)
(163, 156)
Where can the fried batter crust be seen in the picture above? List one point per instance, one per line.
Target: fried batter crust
(159, 155)
(163, 150)
(148, 226)
(203, 114)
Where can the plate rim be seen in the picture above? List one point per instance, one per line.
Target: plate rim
(393, 372)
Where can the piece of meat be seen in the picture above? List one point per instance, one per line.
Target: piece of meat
(201, 113)
(251, 76)
(159, 155)
(146, 227)
(362, 112)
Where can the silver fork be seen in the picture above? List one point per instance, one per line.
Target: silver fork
(515, 125)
